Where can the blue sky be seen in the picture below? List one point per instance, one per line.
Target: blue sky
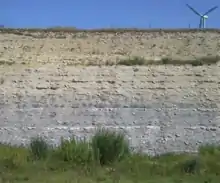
(91, 14)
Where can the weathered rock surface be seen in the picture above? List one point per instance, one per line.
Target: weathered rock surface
(160, 108)
(100, 47)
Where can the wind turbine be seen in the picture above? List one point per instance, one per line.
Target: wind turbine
(203, 17)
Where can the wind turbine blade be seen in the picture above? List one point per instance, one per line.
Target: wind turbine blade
(193, 10)
(209, 11)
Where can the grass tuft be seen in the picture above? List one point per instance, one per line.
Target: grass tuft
(191, 166)
(77, 152)
(109, 146)
(39, 148)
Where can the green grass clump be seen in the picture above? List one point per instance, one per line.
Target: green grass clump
(76, 161)
(77, 152)
(191, 166)
(39, 148)
(109, 146)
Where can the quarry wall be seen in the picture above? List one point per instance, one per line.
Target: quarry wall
(48, 89)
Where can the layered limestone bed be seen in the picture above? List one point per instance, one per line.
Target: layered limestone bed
(160, 108)
(99, 48)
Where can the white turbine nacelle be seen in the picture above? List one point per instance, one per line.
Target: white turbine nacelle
(203, 17)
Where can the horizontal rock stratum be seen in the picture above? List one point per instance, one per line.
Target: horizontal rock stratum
(48, 89)
(99, 47)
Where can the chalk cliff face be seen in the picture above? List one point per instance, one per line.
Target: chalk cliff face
(46, 89)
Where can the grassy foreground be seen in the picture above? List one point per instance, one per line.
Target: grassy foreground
(106, 158)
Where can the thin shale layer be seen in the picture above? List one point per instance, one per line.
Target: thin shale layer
(160, 108)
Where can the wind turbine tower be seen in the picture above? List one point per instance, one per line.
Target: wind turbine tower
(203, 17)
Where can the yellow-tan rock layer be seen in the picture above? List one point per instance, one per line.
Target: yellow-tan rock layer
(101, 47)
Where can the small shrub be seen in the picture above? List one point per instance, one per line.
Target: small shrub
(166, 60)
(191, 166)
(109, 146)
(132, 61)
(39, 148)
(196, 63)
(75, 151)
